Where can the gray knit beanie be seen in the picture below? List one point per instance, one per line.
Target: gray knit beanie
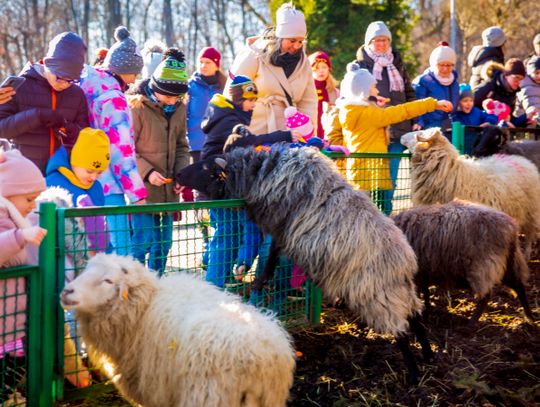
(65, 56)
(493, 37)
(376, 29)
(124, 56)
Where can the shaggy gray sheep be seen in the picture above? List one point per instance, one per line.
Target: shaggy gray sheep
(494, 139)
(508, 183)
(179, 341)
(332, 231)
(464, 243)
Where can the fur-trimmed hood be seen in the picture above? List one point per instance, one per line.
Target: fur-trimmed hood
(489, 70)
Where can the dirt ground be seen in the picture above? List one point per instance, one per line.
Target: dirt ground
(342, 363)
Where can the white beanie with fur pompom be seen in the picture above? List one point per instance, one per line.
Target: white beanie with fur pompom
(290, 23)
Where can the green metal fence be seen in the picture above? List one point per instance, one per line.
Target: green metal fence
(56, 365)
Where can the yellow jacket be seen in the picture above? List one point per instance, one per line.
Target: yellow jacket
(364, 131)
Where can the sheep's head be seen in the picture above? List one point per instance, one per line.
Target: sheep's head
(207, 176)
(490, 141)
(423, 140)
(108, 278)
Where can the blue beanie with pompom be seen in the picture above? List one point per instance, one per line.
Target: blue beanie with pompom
(124, 56)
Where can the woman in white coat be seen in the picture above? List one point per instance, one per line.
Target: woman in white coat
(277, 63)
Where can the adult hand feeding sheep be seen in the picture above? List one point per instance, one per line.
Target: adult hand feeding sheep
(179, 341)
(447, 240)
(509, 183)
(333, 232)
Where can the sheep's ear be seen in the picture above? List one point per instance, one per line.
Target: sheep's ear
(429, 134)
(221, 162)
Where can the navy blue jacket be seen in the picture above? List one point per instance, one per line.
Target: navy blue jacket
(221, 117)
(427, 85)
(474, 118)
(20, 122)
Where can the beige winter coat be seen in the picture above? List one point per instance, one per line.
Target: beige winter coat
(268, 115)
(160, 144)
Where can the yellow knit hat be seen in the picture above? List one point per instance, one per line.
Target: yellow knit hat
(91, 150)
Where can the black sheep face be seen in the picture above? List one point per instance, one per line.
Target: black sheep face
(207, 176)
(489, 141)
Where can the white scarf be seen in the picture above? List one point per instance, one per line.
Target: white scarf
(386, 60)
(445, 81)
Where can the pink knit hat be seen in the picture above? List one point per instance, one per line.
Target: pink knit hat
(19, 175)
(299, 122)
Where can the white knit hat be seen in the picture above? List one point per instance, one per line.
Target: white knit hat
(356, 85)
(377, 29)
(290, 23)
(443, 53)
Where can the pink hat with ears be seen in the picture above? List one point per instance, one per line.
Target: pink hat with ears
(19, 175)
(299, 122)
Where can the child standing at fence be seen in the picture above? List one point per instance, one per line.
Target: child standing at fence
(470, 115)
(363, 127)
(78, 173)
(234, 237)
(20, 184)
(161, 147)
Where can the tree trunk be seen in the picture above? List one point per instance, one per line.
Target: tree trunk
(168, 26)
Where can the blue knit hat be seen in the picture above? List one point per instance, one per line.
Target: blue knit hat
(124, 56)
(65, 56)
(242, 88)
(465, 91)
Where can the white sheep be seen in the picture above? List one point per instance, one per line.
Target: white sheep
(509, 183)
(178, 341)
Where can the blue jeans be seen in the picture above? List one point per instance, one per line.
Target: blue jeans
(282, 279)
(233, 234)
(152, 235)
(118, 226)
(388, 196)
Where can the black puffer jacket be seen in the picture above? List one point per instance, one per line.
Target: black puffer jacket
(396, 98)
(19, 120)
(478, 57)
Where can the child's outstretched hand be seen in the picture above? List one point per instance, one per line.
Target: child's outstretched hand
(445, 106)
(34, 234)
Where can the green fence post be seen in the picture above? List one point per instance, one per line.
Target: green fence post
(458, 136)
(47, 278)
(34, 340)
(316, 304)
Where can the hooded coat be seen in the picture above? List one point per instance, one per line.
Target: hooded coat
(19, 120)
(495, 87)
(364, 131)
(199, 93)
(272, 83)
(221, 117)
(529, 96)
(396, 98)
(160, 141)
(480, 56)
(109, 112)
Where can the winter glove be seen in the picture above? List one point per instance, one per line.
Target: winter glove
(50, 118)
(339, 149)
(241, 130)
(68, 134)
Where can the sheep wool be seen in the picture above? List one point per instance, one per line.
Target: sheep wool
(509, 183)
(447, 239)
(333, 232)
(179, 341)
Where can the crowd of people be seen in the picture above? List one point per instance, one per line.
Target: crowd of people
(116, 132)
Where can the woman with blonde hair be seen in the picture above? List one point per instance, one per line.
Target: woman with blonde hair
(278, 64)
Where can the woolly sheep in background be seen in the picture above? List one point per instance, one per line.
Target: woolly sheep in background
(333, 232)
(448, 239)
(494, 140)
(508, 183)
(179, 341)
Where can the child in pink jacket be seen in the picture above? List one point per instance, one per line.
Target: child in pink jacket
(20, 184)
